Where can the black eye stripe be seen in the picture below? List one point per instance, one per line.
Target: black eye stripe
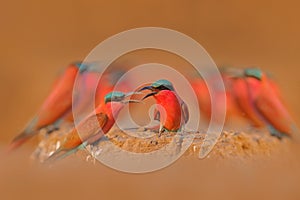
(115, 98)
(162, 87)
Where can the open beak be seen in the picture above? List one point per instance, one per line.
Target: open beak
(233, 73)
(149, 87)
(131, 93)
(125, 101)
(131, 101)
(149, 95)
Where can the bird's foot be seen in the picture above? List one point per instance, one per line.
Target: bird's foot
(160, 132)
(276, 133)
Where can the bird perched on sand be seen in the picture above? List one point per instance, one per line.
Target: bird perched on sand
(57, 104)
(94, 126)
(204, 96)
(259, 98)
(172, 111)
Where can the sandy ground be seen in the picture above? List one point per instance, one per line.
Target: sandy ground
(38, 39)
(231, 144)
(241, 166)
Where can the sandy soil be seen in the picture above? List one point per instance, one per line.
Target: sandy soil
(231, 144)
(241, 166)
(39, 39)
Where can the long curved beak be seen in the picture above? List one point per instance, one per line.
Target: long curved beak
(131, 101)
(149, 87)
(131, 93)
(233, 73)
(149, 95)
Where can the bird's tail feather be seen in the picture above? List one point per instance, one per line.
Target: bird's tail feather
(26, 134)
(62, 153)
(19, 140)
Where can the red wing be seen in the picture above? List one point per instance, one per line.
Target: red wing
(92, 125)
(243, 101)
(87, 128)
(59, 101)
(274, 112)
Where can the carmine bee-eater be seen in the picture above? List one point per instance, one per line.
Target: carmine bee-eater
(57, 104)
(204, 97)
(259, 99)
(240, 91)
(92, 87)
(172, 111)
(94, 126)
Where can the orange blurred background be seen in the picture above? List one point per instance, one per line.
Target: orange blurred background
(40, 38)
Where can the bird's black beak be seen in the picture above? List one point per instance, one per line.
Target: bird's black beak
(131, 101)
(149, 95)
(131, 93)
(233, 73)
(149, 87)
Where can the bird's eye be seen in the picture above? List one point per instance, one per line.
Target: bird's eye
(117, 98)
(162, 87)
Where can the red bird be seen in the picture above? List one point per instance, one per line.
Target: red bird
(57, 104)
(93, 127)
(259, 99)
(172, 111)
(241, 94)
(204, 97)
(92, 87)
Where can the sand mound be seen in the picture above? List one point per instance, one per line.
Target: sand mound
(230, 145)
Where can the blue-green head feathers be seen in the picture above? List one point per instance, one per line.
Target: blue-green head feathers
(82, 66)
(163, 84)
(253, 72)
(114, 96)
